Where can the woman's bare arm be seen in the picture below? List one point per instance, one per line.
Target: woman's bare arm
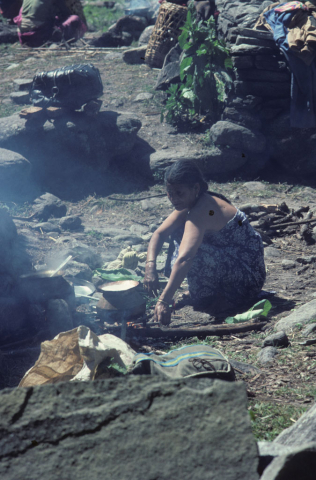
(191, 241)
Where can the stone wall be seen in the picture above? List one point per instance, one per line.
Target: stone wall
(256, 122)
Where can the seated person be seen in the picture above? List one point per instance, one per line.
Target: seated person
(212, 244)
(43, 20)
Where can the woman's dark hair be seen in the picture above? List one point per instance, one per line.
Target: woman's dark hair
(186, 172)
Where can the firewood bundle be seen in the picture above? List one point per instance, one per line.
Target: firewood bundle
(280, 220)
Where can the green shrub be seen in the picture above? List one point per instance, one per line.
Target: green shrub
(205, 81)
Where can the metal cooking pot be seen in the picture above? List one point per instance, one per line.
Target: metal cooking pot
(119, 290)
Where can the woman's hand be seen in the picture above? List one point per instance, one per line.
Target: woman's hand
(162, 314)
(151, 281)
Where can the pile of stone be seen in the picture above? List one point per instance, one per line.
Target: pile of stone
(73, 143)
(254, 129)
(29, 303)
(256, 122)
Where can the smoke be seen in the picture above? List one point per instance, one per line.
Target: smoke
(147, 8)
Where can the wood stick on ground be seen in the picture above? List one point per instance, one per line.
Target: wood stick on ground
(301, 222)
(215, 330)
(136, 199)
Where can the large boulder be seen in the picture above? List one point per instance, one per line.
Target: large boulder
(127, 428)
(303, 430)
(298, 463)
(301, 316)
(48, 205)
(145, 36)
(213, 161)
(236, 136)
(170, 72)
(131, 24)
(63, 144)
(14, 169)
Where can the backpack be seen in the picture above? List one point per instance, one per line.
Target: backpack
(189, 361)
(70, 87)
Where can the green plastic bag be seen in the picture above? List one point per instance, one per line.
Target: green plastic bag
(261, 308)
(116, 275)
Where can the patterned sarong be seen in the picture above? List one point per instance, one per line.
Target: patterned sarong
(228, 268)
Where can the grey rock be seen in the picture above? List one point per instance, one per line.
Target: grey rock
(168, 75)
(153, 227)
(262, 76)
(141, 97)
(21, 98)
(78, 270)
(71, 222)
(302, 315)
(111, 38)
(308, 330)
(175, 54)
(139, 229)
(269, 62)
(132, 25)
(238, 137)
(262, 89)
(135, 56)
(140, 248)
(259, 34)
(8, 33)
(241, 40)
(242, 117)
(306, 260)
(145, 36)
(170, 72)
(243, 62)
(129, 238)
(249, 208)
(248, 102)
(14, 169)
(272, 252)
(84, 254)
(314, 233)
(278, 339)
(273, 449)
(303, 431)
(73, 139)
(58, 317)
(212, 161)
(267, 354)
(13, 66)
(47, 227)
(245, 49)
(48, 205)
(299, 463)
(288, 264)
(22, 84)
(73, 420)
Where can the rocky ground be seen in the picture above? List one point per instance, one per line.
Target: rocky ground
(280, 390)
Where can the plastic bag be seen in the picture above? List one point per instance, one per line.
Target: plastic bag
(261, 308)
(70, 87)
(77, 355)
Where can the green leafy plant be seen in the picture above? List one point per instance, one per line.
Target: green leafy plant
(205, 81)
